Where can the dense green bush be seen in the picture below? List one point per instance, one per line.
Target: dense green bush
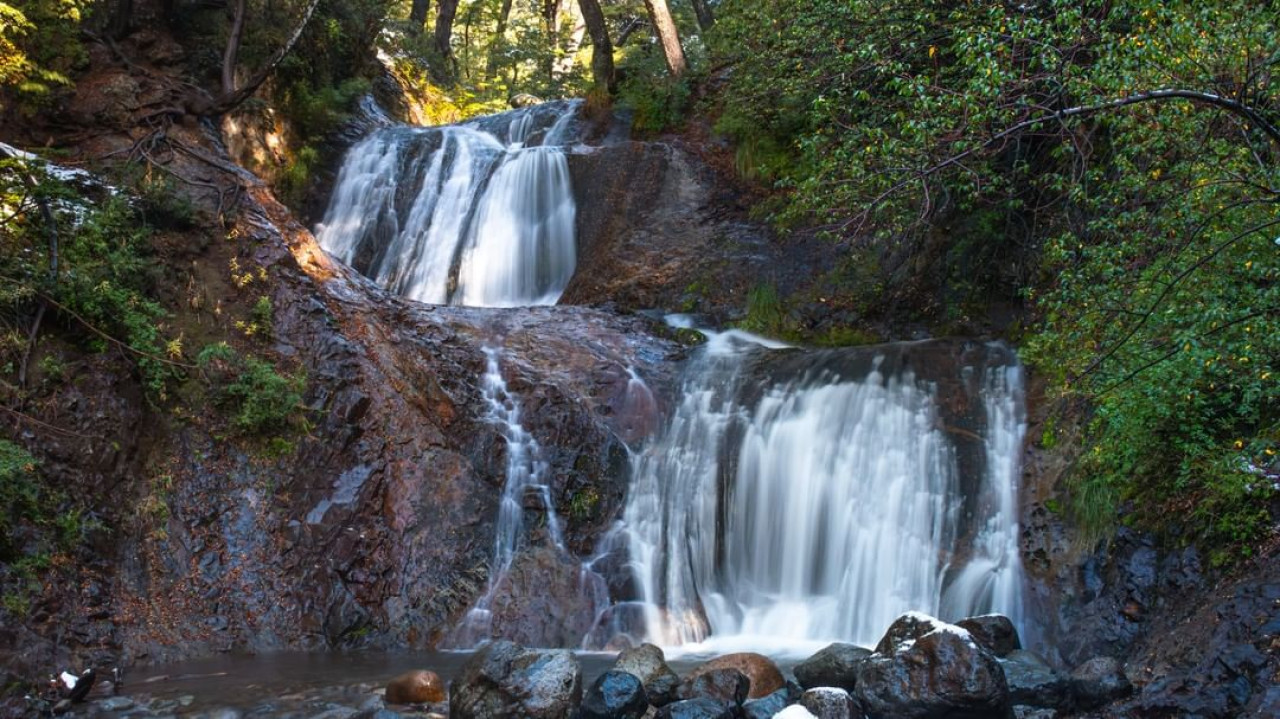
(20, 495)
(105, 269)
(261, 399)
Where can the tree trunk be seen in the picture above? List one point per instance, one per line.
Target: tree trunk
(232, 50)
(418, 16)
(446, 10)
(232, 95)
(665, 26)
(703, 11)
(499, 36)
(601, 48)
(551, 26)
(121, 19)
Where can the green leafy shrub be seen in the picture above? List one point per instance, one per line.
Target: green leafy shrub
(105, 268)
(657, 101)
(260, 399)
(20, 495)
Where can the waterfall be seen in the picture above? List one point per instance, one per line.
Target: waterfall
(798, 498)
(525, 472)
(478, 214)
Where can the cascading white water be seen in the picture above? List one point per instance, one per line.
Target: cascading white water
(479, 214)
(525, 472)
(820, 507)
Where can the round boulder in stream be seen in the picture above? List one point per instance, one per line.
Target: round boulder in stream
(760, 671)
(993, 632)
(649, 664)
(503, 679)
(766, 707)
(831, 703)
(835, 666)
(698, 709)
(615, 695)
(729, 686)
(926, 669)
(416, 687)
(1099, 681)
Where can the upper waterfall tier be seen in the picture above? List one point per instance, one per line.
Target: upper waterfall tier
(479, 214)
(802, 496)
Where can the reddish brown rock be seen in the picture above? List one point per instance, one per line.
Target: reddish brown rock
(416, 687)
(757, 668)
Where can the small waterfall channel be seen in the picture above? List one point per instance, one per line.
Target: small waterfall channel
(478, 214)
(526, 472)
(802, 497)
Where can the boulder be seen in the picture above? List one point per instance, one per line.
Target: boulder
(503, 679)
(1099, 681)
(1032, 682)
(698, 709)
(649, 665)
(834, 666)
(615, 695)
(416, 687)
(993, 632)
(830, 703)
(907, 628)
(766, 707)
(729, 686)
(760, 671)
(941, 673)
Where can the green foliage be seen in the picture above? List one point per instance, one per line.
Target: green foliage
(1142, 235)
(39, 44)
(20, 494)
(261, 400)
(765, 314)
(104, 262)
(315, 111)
(584, 504)
(657, 101)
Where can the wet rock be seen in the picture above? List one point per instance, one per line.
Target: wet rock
(993, 632)
(1032, 682)
(648, 664)
(698, 709)
(62, 707)
(524, 99)
(1021, 712)
(377, 713)
(416, 687)
(907, 628)
(760, 671)
(503, 679)
(540, 601)
(337, 713)
(766, 707)
(116, 704)
(830, 703)
(615, 695)
(729, 686)
(941, 673)
(834, 666)
(1099, 681)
